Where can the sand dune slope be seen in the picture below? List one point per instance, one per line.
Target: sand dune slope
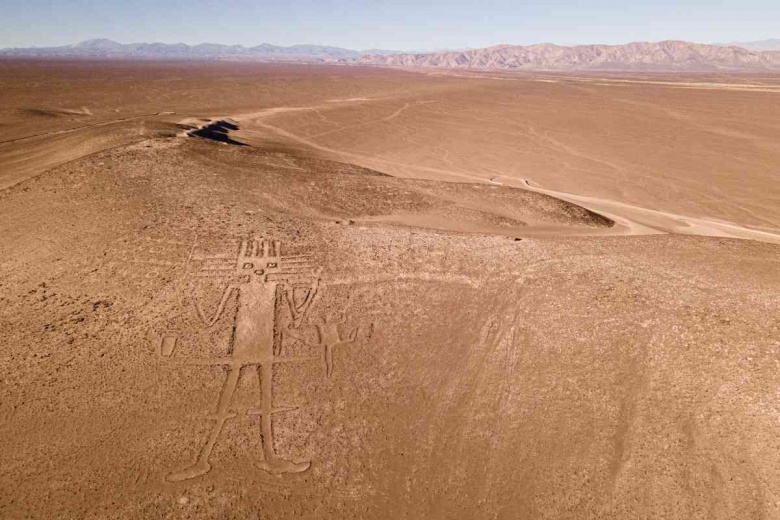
(236, 332)
(405, 295)
(27, 156)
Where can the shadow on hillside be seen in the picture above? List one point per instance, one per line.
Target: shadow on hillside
(218, 131)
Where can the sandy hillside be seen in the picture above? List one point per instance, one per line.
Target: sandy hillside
(304, 326)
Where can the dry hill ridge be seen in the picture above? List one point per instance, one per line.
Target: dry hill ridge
(671, 55)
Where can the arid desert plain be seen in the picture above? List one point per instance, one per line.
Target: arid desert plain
(237, 290)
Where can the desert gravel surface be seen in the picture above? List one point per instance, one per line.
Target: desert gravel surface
(196, 329)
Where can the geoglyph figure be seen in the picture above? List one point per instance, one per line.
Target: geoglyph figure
(265, 282)
(330, 337)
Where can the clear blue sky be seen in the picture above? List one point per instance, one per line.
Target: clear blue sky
(400, 24)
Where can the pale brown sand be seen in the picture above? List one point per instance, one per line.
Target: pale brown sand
(198, 330)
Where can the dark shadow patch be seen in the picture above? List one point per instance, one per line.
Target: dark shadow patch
(218, 131)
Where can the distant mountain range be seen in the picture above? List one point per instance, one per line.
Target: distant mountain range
(110, 48)
(671, 55)
(668, 55)
(760, 45)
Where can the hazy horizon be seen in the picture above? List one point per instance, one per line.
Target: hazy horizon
(416, 50)
(403, 25)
